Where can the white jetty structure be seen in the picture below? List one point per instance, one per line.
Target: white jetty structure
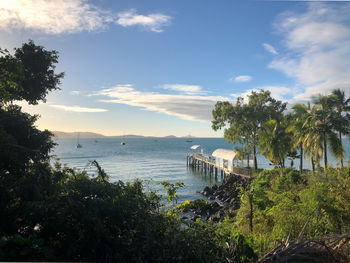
(221, 160)
(224, 158)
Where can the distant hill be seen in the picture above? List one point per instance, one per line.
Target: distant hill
(127, 136)
(60, 134)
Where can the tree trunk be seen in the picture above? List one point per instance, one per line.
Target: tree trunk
(312, 165)
(255, 162)
(301, 158)
(248, 160)
(291, 162)
(341, 159)
(251, 212)
(324, 153)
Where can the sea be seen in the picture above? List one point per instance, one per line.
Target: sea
(153, 160)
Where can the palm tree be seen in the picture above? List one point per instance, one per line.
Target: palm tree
(299, 116)
(321, 120)
(312, 141)
(275, 141)
(341, 105)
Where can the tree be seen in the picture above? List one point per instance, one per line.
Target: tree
(28, 75)
(275, 141)
(341, 105)
(243, 121)
(297, 126)
(321, 120)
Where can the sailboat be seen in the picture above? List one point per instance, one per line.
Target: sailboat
(78, 144)
(123, 142)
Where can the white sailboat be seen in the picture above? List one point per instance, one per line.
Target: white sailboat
(78, 144)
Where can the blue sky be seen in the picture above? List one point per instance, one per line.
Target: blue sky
(158, 67)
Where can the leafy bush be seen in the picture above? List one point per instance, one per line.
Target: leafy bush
(284, 201)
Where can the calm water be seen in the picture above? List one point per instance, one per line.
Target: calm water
(161, 159)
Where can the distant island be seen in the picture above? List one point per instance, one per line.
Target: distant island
(60, 134)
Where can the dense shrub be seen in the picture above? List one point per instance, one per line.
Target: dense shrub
(284, 201)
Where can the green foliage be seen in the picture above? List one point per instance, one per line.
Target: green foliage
(19, 248)
(20, 141)
(260, 123)
(239, 247)
(171, 190)
(29, 74)
(285, 200)
(243, 121)
(275, 141)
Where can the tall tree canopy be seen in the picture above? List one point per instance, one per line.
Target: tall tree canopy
(27, 75)
(243, 121)
(341, 106)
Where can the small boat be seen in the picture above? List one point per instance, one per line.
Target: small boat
(78, 144)
(188, 140)
(122, 143)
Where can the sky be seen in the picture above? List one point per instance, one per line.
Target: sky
(157, 68)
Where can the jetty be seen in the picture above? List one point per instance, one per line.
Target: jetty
(220, 162)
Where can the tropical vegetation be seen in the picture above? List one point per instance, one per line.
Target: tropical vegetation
(50, 212)
(262, 123)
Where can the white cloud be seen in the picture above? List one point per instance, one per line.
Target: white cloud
(75, 92)
(270, 48)
(317, 49)
(52, 16)
(153, 22)
(77, 108)
(188, 89)
(242, 78)
(188, 107)
(70, 16)
(277, 92)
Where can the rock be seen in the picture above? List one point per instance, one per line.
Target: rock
(207, 191)
(228, 193)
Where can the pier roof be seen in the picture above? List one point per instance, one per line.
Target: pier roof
(224, 154)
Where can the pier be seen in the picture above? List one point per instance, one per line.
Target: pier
(215, 165)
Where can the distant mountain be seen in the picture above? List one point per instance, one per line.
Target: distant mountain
(60, 134)
(127, 136)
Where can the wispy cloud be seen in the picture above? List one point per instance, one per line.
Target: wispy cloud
(76, 108)
(277, 92)
(188, 89)
(270, 49)
(318, 48)
(75, 92)
(153, 22)
(52, 16)
(242, 78)
(188, 107)
(70, 16)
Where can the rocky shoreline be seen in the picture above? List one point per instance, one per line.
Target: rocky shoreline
(224, 200)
